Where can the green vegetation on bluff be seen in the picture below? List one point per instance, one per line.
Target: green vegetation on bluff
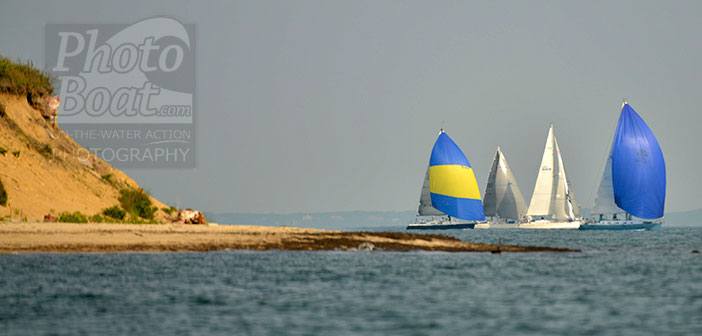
(137, 203)
(3, 195)
(114, 212)
(135, 207)
(21, 78)
(72, 217)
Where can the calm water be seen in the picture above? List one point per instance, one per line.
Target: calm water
(624, 283)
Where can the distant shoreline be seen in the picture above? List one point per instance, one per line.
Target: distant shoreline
(100, 237)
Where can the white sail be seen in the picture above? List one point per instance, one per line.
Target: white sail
(564, 204)
(425, 207)
(604, 201)
(574, 203)
(553, 196)
(540, 204)
(490, 201)
(502, 195)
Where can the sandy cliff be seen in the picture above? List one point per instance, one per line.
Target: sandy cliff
(45, 171)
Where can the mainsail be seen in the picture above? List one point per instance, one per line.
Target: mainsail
(638, 167)
(425, 207)
(553, 196)
(604, 200)
(502, 195)
(452, 185)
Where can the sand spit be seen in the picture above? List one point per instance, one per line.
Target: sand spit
(66, 238)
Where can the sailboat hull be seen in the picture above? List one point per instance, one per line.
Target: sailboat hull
(622, 225)
(440, 225)
(497, 225)
(547, 224)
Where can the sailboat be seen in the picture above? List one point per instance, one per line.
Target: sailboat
(502, 201)
(553, 204)
(450, 189)
(633, 181)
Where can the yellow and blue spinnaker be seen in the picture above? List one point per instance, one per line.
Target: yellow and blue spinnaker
(453, 187)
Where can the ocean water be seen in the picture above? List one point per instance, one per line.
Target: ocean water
(623, 283)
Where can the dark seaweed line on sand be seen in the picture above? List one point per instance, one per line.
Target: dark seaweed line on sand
(321, 241)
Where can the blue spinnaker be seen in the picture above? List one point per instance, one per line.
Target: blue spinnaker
(454, 190)
(638, 168)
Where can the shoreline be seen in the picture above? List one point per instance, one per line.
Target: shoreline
(110, 238)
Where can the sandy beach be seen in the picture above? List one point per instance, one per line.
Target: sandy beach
(66, 238)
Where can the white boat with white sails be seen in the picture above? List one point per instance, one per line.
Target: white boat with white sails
(553, 204)
(503, 202)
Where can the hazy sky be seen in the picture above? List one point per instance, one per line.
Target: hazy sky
(328, 105)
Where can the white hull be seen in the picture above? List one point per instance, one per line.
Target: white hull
(547, 224)
(617, 225)
(497, 225)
